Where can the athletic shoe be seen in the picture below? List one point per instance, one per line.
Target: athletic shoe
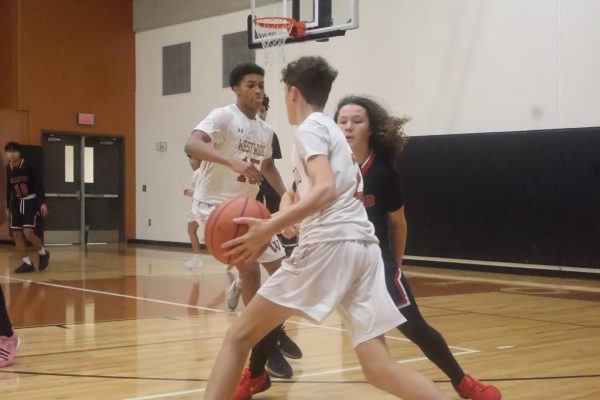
(194, 262)
(278, 366)
(249, 386)
(288, 347)
(8, 349)
(471, 388)
(23, 268)
(233, 294)
(44, 260)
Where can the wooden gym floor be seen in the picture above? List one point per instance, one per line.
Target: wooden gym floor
(130, 322)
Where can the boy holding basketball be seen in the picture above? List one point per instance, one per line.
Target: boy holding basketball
(235, 148)
(337, 244)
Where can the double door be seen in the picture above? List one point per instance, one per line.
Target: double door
(83, 178)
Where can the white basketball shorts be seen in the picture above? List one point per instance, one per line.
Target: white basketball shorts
(345, 275)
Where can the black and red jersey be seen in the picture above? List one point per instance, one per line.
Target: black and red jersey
(22, 181)
(382, 189)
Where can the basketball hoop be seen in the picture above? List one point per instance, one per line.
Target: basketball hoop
(273, 32)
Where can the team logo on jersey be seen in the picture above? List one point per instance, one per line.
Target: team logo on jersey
(369, 200)
(240, 130)
(251, 147)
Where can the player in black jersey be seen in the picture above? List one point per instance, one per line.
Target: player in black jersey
(376, 139)
(25, 201)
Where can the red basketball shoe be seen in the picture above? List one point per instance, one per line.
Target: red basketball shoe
(249, 386)
(471, 388)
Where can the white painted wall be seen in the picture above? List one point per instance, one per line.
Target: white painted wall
(457, 66)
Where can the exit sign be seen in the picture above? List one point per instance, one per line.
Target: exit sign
(85, 119)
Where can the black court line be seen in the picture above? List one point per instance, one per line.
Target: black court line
(290, 381)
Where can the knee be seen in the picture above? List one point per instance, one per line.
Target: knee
(239, 336)
(29, 234)
(373, 372)
(192, 228)
(250, 273)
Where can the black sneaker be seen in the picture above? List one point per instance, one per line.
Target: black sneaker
(278, 367)
(44, 260)
(23, 268)
(288, 347)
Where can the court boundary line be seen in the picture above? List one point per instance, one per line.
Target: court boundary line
(502, 281)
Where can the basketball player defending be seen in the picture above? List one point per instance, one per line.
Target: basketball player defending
(376, 138)
(235, 148)
(25, 199)
(337, 244)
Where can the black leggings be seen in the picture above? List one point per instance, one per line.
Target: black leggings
(262, 350)
(429, 340)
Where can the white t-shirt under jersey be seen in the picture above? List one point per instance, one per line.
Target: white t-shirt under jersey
(346, 218)
(233, 134)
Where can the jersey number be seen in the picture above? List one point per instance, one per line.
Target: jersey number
(21, 189)
(242, 178)
(359, 195)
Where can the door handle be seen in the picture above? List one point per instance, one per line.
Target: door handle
(76, 195)
(102, 196)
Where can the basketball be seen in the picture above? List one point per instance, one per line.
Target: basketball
(220, 227)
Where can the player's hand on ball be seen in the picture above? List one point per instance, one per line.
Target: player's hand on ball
(250, 246)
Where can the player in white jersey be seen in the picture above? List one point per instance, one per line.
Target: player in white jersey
(194, 217)
(235, 148)
(337, 244)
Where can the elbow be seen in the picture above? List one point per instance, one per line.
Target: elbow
(188, 147)
(328, 195)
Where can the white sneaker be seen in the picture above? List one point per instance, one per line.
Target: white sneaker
(233, 294)
(194, 262)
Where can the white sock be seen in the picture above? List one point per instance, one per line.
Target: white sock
(27, 260)
(42, 251)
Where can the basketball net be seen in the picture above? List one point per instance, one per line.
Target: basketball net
(273, 32)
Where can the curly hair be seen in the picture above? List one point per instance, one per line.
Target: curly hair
(387, 137)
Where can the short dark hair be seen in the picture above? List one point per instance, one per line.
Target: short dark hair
(13, 146)
(313, 76)
(265, 102)
(241, 70)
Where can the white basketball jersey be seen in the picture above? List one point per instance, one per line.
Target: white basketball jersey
(233, 134)
(346, 218)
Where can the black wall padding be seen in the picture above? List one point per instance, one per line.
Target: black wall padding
(522, 197)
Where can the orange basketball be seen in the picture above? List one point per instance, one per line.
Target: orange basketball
(220, 227)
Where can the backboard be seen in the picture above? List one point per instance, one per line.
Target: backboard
(322, 18)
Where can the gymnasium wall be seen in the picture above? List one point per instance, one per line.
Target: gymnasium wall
(71, 56)
(8, 49)
(455, 67)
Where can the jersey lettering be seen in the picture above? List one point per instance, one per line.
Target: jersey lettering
(275, 245)
(248, 146)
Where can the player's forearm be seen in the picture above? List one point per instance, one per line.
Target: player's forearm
(198, 149)
(274, 178)
(398, 234)
(317, 198)
(286, 201)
